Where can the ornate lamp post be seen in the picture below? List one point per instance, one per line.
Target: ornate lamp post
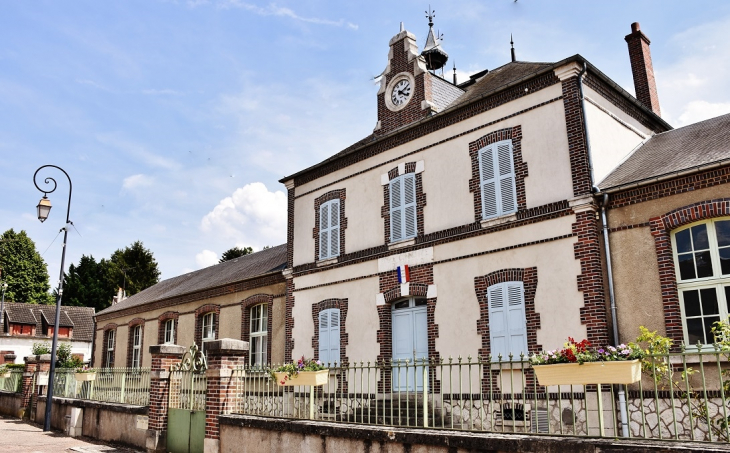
(44, 207)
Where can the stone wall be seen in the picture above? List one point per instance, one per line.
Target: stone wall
(11, 404)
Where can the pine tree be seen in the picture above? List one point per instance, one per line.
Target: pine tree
(235, 252)
(23, 269)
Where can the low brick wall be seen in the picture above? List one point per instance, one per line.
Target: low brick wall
(11, 404)
(241, 433)
(112, 422)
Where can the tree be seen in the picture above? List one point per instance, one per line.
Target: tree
(133, 268)
(235, 252)
(23, 269)
(85, 285)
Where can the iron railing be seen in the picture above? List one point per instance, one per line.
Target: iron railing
(113, 385)
(187, 390)
(12, 382)
(682, 396)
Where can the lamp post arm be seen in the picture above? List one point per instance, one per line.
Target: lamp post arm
(51, 375)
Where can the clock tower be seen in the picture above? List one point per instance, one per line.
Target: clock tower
(406, 86)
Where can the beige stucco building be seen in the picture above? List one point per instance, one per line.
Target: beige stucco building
(242, 298)
(465, 224)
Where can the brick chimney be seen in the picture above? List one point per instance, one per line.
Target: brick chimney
(642, 68)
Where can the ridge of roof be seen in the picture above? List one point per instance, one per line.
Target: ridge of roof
(464, 100)
(247, 267)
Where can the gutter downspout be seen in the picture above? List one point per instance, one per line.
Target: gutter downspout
(612, 298)
(596, 190)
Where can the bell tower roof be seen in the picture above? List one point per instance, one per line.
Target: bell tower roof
(433, 53)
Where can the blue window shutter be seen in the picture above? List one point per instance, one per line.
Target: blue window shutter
(516, 319)
(334, 335)
(396, 213)
(488, 182)
(497, 179)
(498, 322)
(329, 335)
(507, 189)
(324, 337)
(334, 228)
(409, 205)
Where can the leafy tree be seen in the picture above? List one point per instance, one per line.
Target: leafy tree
(85, 285)
(133, 268)
(23, 269)
(235, 252)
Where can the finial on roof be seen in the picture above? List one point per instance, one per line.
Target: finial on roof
(454, 73)
(511, 42)
(434, 55)
(402, 28)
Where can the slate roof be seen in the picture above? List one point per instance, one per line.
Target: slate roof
(486, 83)
(691, 147)
(236, 270)
(80, 318)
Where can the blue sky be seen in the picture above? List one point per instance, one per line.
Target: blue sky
(176, 119)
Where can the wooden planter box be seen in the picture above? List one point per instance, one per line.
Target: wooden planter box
(313, 378)
(624, 372)
(81, 377)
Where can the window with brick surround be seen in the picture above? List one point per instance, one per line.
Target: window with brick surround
(329, 335)
(507, 320)
(136, 346)
(109, 342)
(702, 263)
(169, 332)
(403, 222)
(329, 229)
(497, 179)
(208, 328)
(258, 335)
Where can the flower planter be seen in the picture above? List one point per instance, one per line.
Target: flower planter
(81, 377)
(313, 378)
(622, 372)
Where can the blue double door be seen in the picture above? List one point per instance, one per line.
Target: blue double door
(410, 342)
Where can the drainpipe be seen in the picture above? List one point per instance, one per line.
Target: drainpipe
(612, 298)
(594, 189)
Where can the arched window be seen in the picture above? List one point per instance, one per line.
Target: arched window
(258, 334)
(702, 263)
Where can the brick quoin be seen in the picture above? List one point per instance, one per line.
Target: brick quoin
(577, 150)
(661, 228)
(289, 320)
(421, 277)
(528, 277)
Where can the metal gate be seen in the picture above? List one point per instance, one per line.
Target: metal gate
(186, 415)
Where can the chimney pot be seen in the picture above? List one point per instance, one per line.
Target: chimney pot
(635, 27)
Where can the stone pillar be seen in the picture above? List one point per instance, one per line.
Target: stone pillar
(163, 356)
(43, 366)
(223, 356)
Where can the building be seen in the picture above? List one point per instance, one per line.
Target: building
(466, 223)
(26, 324)
(668, 211)
(240, 298)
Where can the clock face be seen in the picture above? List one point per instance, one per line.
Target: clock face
(401, 93)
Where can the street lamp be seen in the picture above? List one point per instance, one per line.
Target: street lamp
(44, 207)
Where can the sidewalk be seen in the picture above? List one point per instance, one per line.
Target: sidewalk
(23, 437)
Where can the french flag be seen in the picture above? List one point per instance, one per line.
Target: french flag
(404, 274)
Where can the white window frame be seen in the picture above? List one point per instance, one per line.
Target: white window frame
(329, 353)
(258, 334)
(401, 208)
(329, 229)
(717, 281)
(110, 339)
(169, 332)
(503, 179)
(136, 346)
(208, 328)
(511, 291)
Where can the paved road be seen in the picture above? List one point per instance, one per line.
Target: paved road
(23, 437)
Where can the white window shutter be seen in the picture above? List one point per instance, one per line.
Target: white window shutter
(334, 343)
(409, 205)
(507, 189)
(516, 319)
(488, 182)
(324, 243)
(334, 228)
(498, 322)
(396, 214)
(324, 336)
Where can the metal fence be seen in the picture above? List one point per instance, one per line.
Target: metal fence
(682, 396)
(187, 390)
(113, 385)
(12, 382)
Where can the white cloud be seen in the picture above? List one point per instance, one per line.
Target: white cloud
(252, 215)
(701, 110)
(274, 10)
(136, 181)
(206, 258)
(163, 92)
(138, 151)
